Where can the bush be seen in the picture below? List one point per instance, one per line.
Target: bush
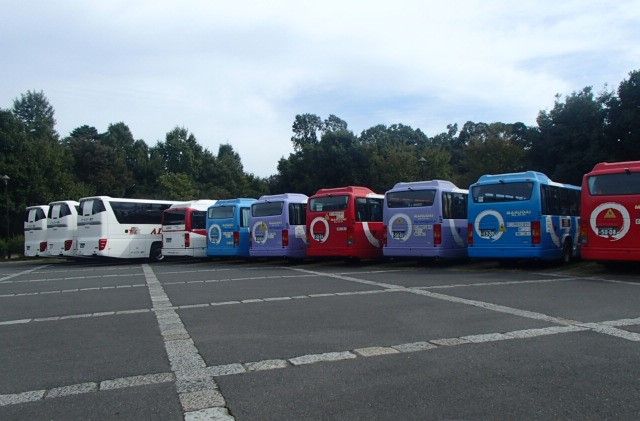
(15, 245)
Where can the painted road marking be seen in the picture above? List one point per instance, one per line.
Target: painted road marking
(251, 278)
(73, 278)
(196, 387)
(495, 283)
(4, 279)
(66, 291)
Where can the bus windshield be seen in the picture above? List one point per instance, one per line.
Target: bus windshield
(614, 184)
(411, 198)
(502, 192)
(369, 209)
(267, 209)
(174, 217)
(221, 212)
(328, 203)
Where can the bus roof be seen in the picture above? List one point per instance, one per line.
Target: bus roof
(122, 199)
(419, 185)
(521, 176)
(43, 207)
(615, 167)
(237, 201)
(68, 202)
(201, 204)
(345, 190)
(287, 197)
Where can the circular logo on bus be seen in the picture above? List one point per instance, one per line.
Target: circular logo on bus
(489, 234)
(610, 220)
(400, 227)
(215, 234)
(260, 232)
(319, 235)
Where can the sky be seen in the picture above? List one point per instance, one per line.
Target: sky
(238, 72)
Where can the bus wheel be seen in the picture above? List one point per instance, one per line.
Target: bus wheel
(155, 254)
(567, 251)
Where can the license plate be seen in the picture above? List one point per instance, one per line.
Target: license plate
(81, 245)
(168, 239)
(318, 237)
(487, 233)
(398, 234)
(607, 231)
(28, 247)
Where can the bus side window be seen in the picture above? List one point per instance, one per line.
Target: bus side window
(297, 214)
(245, 214)
(40, 214)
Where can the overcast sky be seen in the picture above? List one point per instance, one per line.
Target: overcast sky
(239, 72)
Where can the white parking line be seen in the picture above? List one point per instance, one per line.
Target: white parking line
(4, 279)
(197, 390)
(88, 269)
(496, 283)
(251, 278)
(66, 291)
(74, 278)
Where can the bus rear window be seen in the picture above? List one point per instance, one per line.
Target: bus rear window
(297, 213)
(411, 198)
(369, 209)
(502, 192)
(173, 217)
(328, 203)
(91, 207)
(267, 209)
(198, 220)
(221, 212)
(614, 184)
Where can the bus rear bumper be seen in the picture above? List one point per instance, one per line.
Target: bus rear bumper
(444, 253)
(610, 254)
(346, 252)
(514, 253)
(235, 252)
(281, 252)
(182, 252)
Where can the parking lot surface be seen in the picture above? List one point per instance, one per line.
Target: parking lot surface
(224, 339)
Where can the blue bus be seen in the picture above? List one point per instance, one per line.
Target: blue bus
(228, 227)
(425, 219)
(279, 226)
(523, 215)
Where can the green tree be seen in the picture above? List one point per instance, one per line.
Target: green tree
(623, 117)
(177, 186)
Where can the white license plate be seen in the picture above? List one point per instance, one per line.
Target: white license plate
(318, 237)
(398, 234)
(487, 233)
(168, 239)
(607, 231)
(81, 245)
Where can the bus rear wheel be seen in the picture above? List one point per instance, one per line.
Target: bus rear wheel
(155, 255)
(567, 251)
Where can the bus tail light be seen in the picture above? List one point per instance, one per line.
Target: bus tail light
(350, 240)
(285, 238)
(536, 235)
(584, 230)
(384, 235)
(102, 244)
(67, 245)
(470, 234)
(437, 234)
(236, 238)
(43, 246)
(187, 240)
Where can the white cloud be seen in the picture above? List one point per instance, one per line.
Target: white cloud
(239, 72)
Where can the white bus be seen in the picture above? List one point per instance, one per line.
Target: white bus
(62, 228)
(125, 228)
(35, 230)
(184, 229)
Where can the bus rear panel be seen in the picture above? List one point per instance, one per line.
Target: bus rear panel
(345, 222)
(62, 228)
(426, 219)
(184, 229)
(228, 228)
(35, 231)
(611, 212)
(523, 215)
(278, 226)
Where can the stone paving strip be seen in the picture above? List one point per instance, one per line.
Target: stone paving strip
(377, 351)
(89, 387)
(72, 278)
(251, 278)
(595, 327)
(66, 291)
(496, 283)
(196, 387)
(5, 279)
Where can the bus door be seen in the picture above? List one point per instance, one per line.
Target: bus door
(332, 221)
(267, 226)
(35, 232)
(368, 212)
(174, 227)
(504, 215)
(93, 227)
(411, 219)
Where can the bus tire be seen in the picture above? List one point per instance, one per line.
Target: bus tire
(155, 255)
(567, 251)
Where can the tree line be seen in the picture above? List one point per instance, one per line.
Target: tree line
(581, 129)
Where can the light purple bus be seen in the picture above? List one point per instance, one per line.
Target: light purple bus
(426, 219)
(278, 226)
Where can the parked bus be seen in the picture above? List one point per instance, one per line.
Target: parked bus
(184, 229)
(124, 228)
(426, 219)
(345, 222)
(523, 215)
(62, 228)
(35, 230)
(228, 227)
(611, 212)
(278, 226)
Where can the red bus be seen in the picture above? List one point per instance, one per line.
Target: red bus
(610, 217)
(345, 222)
(184, 230)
